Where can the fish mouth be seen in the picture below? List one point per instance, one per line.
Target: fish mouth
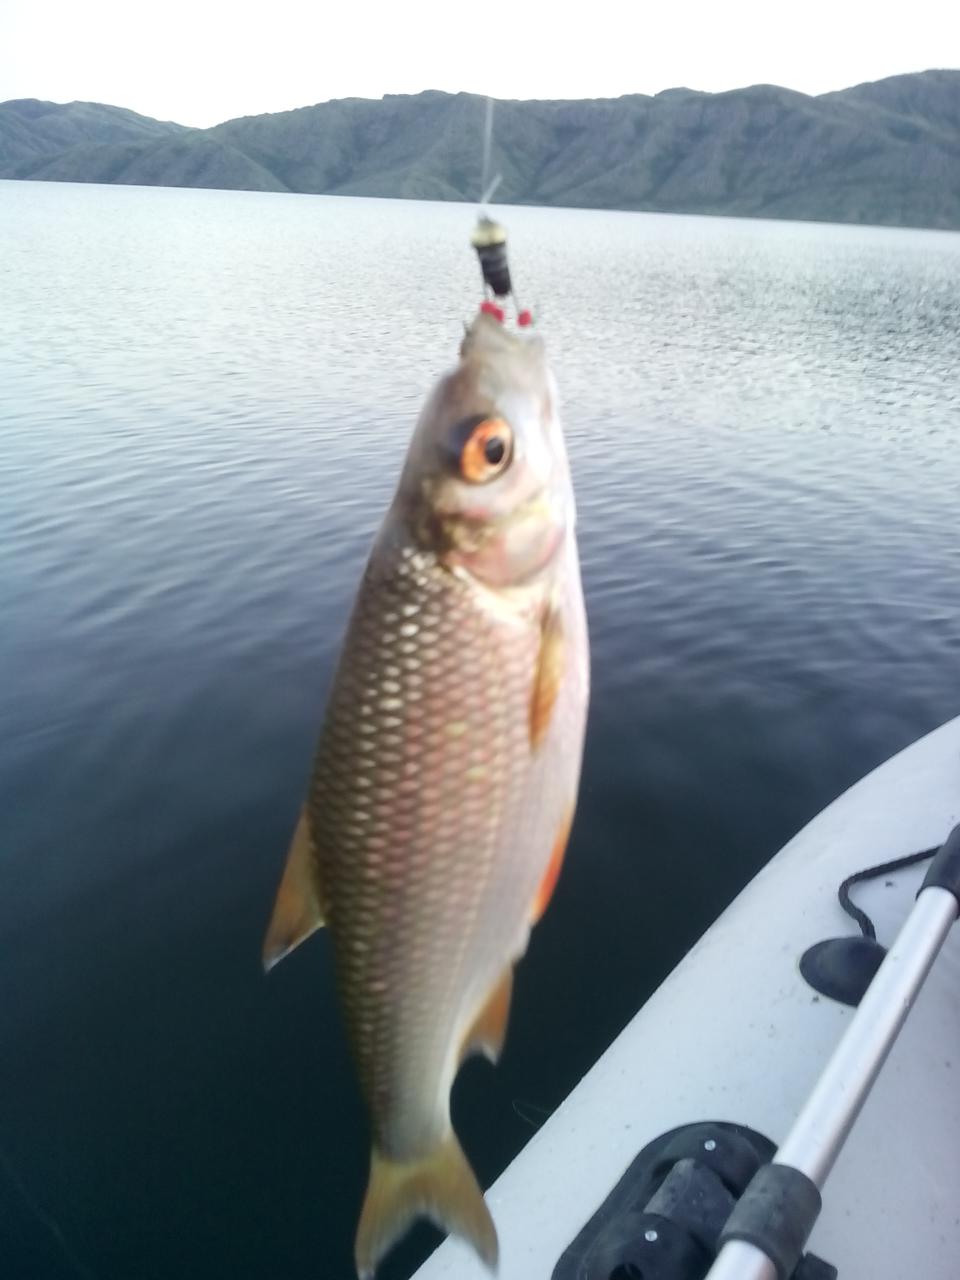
(488, 336)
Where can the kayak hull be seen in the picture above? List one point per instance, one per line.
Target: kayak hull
(735, 1034)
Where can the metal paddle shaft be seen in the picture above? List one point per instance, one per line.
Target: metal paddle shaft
(820, 1130)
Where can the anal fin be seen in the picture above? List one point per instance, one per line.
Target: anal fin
(296, 913)
(552, 873)
(489, 1029)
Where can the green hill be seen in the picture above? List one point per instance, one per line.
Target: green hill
(886, 152)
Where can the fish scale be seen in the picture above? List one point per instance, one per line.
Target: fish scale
(434, 843)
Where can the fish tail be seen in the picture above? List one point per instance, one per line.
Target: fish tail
(441, 1186)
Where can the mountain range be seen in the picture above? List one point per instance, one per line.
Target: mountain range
(887, 152)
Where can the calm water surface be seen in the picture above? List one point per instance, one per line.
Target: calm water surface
(204, 400)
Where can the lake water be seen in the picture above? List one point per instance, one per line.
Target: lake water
(204, 401)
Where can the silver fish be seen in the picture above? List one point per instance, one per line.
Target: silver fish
(447, 771)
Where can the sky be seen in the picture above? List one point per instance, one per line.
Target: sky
(202, 61)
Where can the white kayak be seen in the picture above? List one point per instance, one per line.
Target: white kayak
(735, 1034)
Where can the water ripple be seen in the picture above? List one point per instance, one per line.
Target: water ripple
(205, 398)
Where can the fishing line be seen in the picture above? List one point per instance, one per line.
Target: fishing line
(486, 192)
(46, 1219)
(530, 1113)
(487, 146)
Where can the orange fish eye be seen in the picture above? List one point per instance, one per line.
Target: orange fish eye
(486, 451)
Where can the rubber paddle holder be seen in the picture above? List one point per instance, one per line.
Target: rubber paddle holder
(842, 968)
(672, 1210)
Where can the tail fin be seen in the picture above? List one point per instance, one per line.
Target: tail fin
(441, 1187)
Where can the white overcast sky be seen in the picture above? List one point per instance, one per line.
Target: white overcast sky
(203, 61)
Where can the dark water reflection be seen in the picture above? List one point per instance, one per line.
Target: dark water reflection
(204, 398)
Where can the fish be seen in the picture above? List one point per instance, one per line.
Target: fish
(446, 776)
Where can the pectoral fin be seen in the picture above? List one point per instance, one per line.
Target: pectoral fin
(488, 1032)
(551, 662)
(296, 913)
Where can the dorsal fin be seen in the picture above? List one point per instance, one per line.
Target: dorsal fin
(296, 913)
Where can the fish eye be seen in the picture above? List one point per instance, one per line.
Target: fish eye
(494, 450)
(484, 448)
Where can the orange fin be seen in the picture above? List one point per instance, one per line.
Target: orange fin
(489, 1031)
(440, 1186)
(552, 875)
(296, 913)
(551, 662)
